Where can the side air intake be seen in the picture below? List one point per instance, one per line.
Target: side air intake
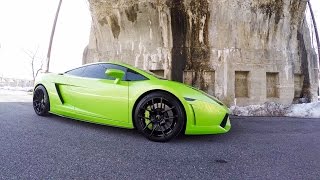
(224, 121)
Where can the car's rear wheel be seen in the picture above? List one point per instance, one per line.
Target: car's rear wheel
(159, 116)
(41, 102)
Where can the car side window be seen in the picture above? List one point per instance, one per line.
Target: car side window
(76, 72)
(134, 76)
(95, 71)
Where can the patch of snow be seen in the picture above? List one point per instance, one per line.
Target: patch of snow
(308, 110)
(305, 110)
(10, 88)
(266, 109)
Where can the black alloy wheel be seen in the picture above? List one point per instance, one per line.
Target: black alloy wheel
(159, 116)
(41, 103)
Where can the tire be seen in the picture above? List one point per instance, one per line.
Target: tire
(41, 104)
(159, 116)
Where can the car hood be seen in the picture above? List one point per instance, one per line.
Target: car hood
(187, 91)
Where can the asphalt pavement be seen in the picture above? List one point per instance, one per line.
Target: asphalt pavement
(53, 147)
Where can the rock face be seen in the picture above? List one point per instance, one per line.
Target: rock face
(242, 51)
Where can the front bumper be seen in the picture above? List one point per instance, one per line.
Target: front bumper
(207, 118)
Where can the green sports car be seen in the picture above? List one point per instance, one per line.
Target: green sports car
(121, 95)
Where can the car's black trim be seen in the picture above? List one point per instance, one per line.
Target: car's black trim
(189, 99)
(59, 93)
(194, 115)
(224, 121)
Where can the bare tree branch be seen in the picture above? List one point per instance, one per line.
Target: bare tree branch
(39, 69)
(33, 58)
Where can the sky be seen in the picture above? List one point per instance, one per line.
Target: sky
(25, 26)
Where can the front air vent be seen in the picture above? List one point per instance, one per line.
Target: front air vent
(224, 121)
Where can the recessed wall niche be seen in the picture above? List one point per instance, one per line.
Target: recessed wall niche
(272, 85)
(298, 83)
(204, 80)
(241, 84)
(159, 72)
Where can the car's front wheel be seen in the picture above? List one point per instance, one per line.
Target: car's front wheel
(159, 116)
(41, 103)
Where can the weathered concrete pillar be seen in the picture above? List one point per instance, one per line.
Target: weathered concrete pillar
(134, 32)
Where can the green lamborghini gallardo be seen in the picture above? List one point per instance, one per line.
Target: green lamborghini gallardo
(120, 95)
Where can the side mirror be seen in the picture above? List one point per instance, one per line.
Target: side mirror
(115, 73)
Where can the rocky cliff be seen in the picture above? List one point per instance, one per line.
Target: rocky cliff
(242, 51)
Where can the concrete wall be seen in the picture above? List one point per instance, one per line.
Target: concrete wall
(242, 51)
